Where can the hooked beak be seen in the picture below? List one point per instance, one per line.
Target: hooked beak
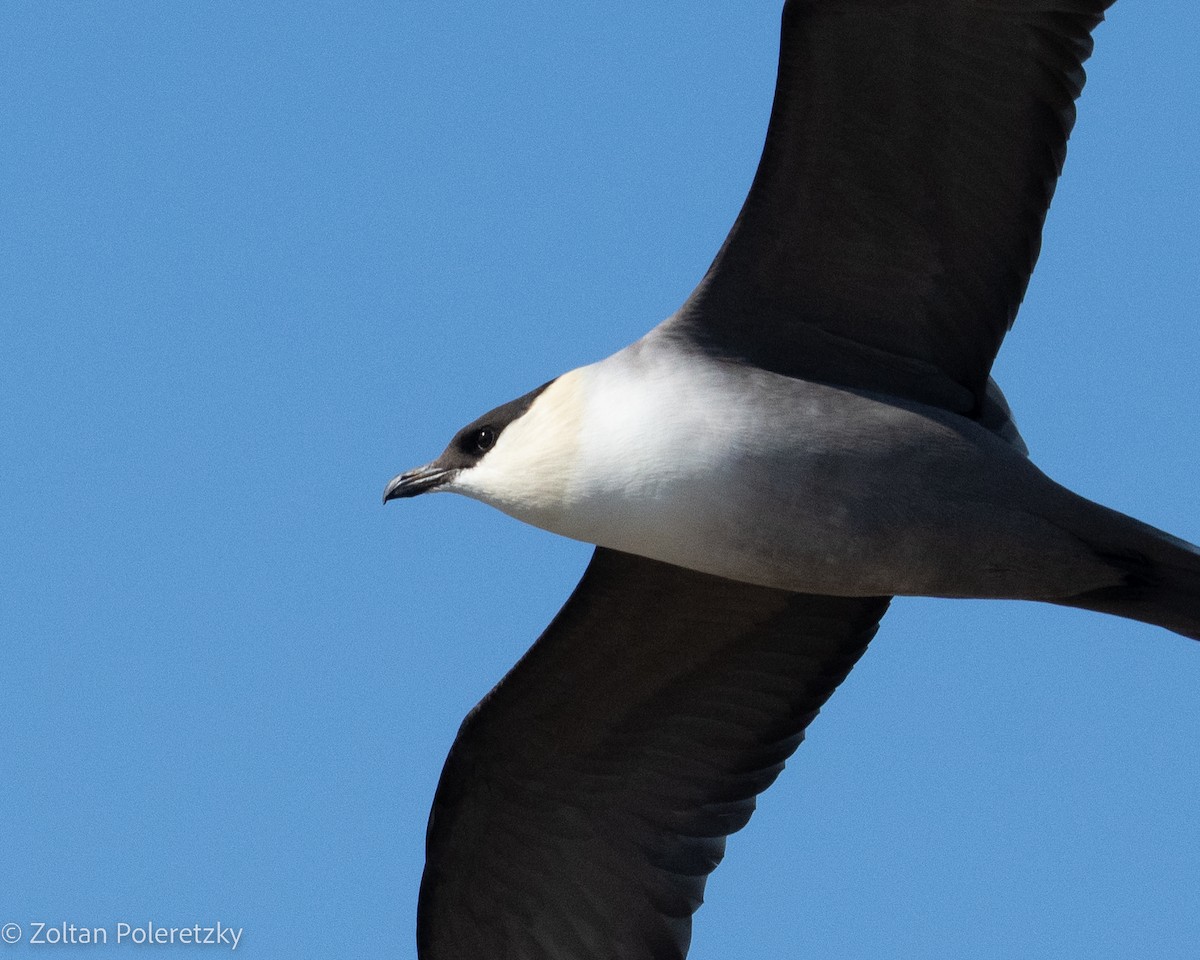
(421, 480)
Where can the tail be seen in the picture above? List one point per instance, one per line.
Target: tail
(1160, 574)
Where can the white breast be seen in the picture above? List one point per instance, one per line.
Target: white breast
(630, 453)
(660, 449)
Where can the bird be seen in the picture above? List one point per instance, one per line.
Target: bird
(813, 432)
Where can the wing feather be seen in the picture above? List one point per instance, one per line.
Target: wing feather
(896, 215)
(589, 795)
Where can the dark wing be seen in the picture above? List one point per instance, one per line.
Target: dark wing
(897, 211)
(588, 797)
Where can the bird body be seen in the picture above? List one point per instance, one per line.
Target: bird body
(714, 465)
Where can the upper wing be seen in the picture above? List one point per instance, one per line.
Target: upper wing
(897, 211)
(588, 796)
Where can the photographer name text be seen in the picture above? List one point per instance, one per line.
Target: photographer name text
(148, 933)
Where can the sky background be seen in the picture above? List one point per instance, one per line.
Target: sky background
(256, 258)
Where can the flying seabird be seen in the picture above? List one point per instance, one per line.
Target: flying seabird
(814, 431)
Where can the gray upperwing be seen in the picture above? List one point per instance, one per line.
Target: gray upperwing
(896, 215)
(588, 796)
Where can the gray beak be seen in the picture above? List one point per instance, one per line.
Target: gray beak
(421, 480)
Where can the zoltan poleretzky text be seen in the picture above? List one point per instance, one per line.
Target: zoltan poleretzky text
(145, 933)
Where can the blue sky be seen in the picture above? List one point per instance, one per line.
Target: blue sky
(257, 258)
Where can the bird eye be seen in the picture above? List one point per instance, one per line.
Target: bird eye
(484, 439)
